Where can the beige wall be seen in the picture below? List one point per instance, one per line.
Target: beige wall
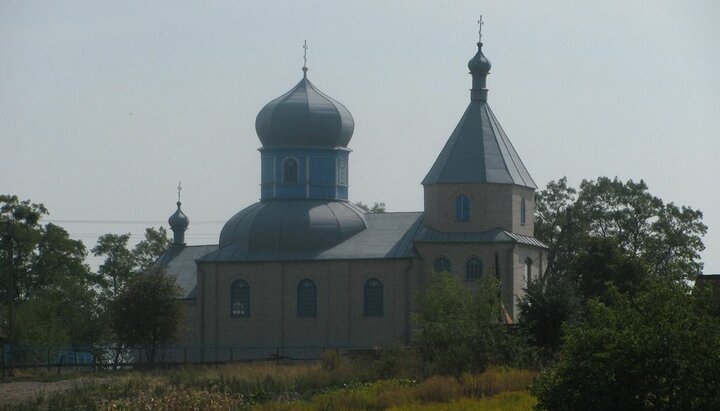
(491, 206)
(273, 320)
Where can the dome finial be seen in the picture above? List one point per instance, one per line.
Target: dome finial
(304, 68)
(178, 222)
(480, 24)
(479, 67)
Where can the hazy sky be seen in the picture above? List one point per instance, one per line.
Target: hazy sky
(104, 106)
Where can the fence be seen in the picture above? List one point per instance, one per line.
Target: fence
(94, 358)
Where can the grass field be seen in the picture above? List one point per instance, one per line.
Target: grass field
(331, 384)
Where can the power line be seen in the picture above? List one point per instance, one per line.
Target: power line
(127, 221)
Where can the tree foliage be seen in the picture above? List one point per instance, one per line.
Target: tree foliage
(377, 207)
(666, 238)
(655, 351)
(148, 313)
(457, 330)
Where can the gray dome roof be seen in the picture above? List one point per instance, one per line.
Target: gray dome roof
(178, 221)
(302, 117)
(286, 227)
(479, 63)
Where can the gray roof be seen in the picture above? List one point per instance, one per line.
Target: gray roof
(496, 235)
(179, 261)
(387, 235)
(478, 151)
(281, 227)
(304, 117)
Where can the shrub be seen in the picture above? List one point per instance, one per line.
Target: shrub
(330, 360)
(439, 389)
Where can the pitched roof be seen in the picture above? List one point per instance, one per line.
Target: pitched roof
(478, 151)
(179, 261)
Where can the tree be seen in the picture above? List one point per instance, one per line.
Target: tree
(456, 329)
(147, 251)
(118, 266)
(376, 208)
(656, 351)
(148, 312)
(19, 234)
(666, 238)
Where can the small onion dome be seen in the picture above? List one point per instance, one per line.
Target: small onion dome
(304, 117)
(479, 64)
(178, 221)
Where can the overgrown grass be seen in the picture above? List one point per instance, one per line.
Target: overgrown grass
(379, 382)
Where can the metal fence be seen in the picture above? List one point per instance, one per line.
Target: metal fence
(103, 358)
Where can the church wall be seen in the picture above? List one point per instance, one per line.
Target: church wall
(458, 254)
(521, 254)
(491, 206)
(273, 322)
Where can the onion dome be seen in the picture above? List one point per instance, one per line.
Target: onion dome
(304, 117)
(290, 229)
(479, 63)
(179, 222)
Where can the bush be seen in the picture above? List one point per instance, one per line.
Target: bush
(439, 389)
(654, 352)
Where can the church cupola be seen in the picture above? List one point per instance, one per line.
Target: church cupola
(304, 135)
(479, 69)
(179, 222)
(478, 181)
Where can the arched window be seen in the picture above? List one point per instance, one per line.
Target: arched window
(240, 299)
(290, 171)
(342, 172)
(442, 264)
(522, 211)
(528, 271)
(373, 298)
(462, 208)
(473, 268)
(306, 299)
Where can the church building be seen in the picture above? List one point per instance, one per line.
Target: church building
(304, 269)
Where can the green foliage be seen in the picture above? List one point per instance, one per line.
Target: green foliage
(377, 207)
(148, 313)
(456, 330)
(147, 251)
(119, 265)
(656, 351)
(665, 237)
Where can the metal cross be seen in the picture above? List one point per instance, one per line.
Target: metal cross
(179, 190)
(480, 24)
(305, 47)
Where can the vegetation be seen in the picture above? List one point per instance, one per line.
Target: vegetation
(611, 323)
(148, 312)
(377, 207)
(352, 385)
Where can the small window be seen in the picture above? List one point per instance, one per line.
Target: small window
(342, 172)
(522, 211)
(528, 272)
(462, 208)
(240, 299)
(373, 298)
(306, 299)
(290, 171)
(473, 268)
(442, 264)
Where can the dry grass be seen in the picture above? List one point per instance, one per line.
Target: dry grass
(496, 380)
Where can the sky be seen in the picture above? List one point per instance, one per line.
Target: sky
(105, 106)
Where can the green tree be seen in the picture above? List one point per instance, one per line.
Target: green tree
(456, 328)
(148, 250)
(148, 312)
(119, 265)
(19, 235)
(657, 351)
(666, 238)
(377, 207)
